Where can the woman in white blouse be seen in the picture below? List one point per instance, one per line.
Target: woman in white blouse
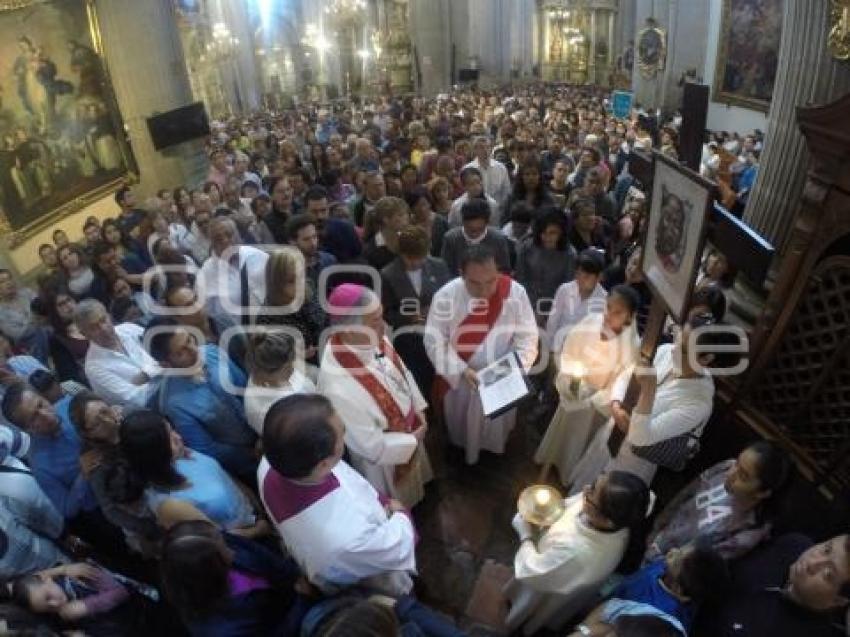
(558, 573)
(273, 375)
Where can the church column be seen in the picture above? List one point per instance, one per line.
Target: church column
(808, 75)
(591, 58)
(612, 55)
(145, 84)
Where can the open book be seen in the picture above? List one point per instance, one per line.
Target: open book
(502, 385)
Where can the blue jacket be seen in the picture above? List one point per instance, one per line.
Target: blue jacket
(55, 463)
(208, 417)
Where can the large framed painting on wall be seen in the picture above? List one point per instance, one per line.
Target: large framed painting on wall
(62, 141)
(748, 53)
(675, 233)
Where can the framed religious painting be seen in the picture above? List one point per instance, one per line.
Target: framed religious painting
(62, 141)
(651, 49)
(748, 53)
(675, 234)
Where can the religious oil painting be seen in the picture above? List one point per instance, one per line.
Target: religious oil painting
(748, 55)
(674, 239)
(63, 142)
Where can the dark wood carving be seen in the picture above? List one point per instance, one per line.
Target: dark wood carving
(798, 384)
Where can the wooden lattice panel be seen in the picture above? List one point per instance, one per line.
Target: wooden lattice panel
(805, 391)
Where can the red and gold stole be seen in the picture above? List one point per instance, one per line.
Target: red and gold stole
(396, 421)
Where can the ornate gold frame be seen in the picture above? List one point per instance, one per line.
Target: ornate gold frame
(839, 32)
(647, 70)
(717, 94)
(14, 238)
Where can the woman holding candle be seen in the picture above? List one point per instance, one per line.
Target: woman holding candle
(559, 573)
(593, 356)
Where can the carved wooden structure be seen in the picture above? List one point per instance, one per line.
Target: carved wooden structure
(798, 385)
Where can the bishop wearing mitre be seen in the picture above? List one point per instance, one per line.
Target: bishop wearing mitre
(376, 397)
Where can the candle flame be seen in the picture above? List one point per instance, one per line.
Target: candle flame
(542, 497)
(575, 369)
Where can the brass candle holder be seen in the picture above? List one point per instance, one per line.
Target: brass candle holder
(540, 505)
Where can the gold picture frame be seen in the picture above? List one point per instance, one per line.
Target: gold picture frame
(746, 65)
(63, 143)
(839, 30)
(651, 50)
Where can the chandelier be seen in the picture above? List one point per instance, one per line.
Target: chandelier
(346, 10)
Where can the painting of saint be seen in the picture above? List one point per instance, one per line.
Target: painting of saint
(672, 231)
(675, 233)
(61, 136)
(748, 55)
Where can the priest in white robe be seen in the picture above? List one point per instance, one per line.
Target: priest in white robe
(339, 530)
(376, 397)
(474, 320)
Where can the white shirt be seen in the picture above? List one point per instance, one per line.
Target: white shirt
(223, 281)
(415, 277)
(259, 399)
(110, 373)
(568, 308)
(495, 178)
(681, 405)
(199, 246)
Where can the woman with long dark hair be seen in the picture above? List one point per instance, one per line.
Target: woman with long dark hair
(545, 260)
(97, 424)
(75, 270)
(179, 482)
(68, 346)
(529, 187)
(222, 584)
(422, 214)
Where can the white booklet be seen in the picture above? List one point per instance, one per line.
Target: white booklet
(502, 384)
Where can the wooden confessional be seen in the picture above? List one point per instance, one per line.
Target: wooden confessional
(797, 387)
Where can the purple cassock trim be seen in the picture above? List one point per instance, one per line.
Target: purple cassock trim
(285, 498)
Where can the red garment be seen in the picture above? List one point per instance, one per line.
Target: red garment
(473, 330)
(396, 421)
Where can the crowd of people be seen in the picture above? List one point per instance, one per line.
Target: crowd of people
(216, 403)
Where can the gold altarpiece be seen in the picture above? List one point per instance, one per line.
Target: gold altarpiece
(577, 40)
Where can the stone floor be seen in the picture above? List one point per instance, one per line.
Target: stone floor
(466, 550)
(467, 545)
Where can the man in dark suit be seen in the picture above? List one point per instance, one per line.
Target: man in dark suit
(474, 230)
(407, 285)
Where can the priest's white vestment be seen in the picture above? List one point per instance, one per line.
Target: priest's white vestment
(376, 451)
(515, 329)
(339, 532)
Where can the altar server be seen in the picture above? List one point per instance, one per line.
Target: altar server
(332, 521)
(475, 320)
(597, 351)
(558, 572)
(376, 397)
